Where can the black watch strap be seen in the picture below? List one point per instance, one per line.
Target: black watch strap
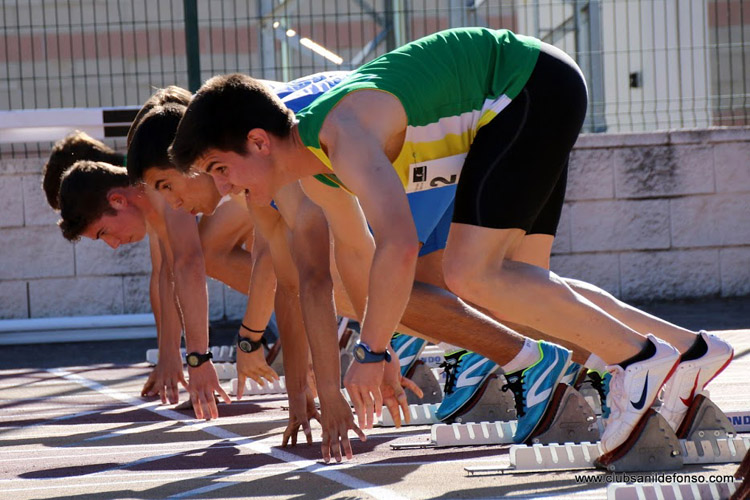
(247, 345)
(195, 359)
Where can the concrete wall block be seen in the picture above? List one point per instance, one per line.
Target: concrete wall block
(34, 252)
(562, 242)
(711, 220)
(96, 258)
(619, 225)
(669, 275)
(137, 299)
(622, 140)
(732, 166)
(11, 201)
(600, 269)
(37, 211)
(76, 297)
(735, 271)
(645, 172)
(22, 165)
(591, 175)
(728, 134)
(13, 300)
(215, 299)
(235, 303)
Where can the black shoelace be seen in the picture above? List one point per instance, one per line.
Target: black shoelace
(450, 367)
(597, 382)
(515, 384)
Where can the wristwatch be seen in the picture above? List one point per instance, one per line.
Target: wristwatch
(195, 359)
(247, 345)
(363, 354)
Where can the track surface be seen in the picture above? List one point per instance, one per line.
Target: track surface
(84, 432)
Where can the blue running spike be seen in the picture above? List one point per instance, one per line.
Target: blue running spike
(466, 371)
(533, 387)
(408, 349)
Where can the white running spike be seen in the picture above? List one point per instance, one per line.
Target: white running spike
(692, 491)
(423, 414)
(253, 389)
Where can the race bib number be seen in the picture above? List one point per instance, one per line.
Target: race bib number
(435, 173)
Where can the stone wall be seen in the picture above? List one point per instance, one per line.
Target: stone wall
(648, 216)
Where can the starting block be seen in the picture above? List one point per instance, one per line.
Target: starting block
(226, 371)
(252, 388)
(692, 491)
(423, 414)
(655, 447)
(472, 434)
(569, 419)
(422, 375)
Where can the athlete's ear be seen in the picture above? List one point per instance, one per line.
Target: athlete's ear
(117, 199)
(258, 141)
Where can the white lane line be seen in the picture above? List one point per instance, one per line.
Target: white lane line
(205, 489)
(304, 464)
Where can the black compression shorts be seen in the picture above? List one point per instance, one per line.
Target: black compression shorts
(515, 173)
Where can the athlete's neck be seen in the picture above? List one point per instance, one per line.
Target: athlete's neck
(295, 161)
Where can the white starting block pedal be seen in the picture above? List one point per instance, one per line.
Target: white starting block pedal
(569, 419)
(473, 434)
(654, 448)
(422, 375)
(226, 371)
(692, 491)
(423, 414)
(252, 388)
(221, 354)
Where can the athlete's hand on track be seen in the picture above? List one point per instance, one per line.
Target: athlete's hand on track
(253, 365)
(392, 389)
(363, 382)
(301, 410)
(337, 420)
(202, 384)
(164, 380)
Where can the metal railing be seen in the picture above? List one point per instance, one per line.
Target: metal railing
(650, 64)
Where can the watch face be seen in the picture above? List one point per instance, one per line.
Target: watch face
(192, 360)
(245, 346)
(359, 352)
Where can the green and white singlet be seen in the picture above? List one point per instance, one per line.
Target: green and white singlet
(450, 84)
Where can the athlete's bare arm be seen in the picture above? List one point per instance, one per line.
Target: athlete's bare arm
(362, 135)
(167, 374)
(289, 318)
(179, 235)
(310, 252)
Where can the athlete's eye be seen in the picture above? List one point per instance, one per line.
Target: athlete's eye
(221, 170)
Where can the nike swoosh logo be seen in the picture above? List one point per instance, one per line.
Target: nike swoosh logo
(464, 379)
(639, 404)
(689, 399)
(533, 398)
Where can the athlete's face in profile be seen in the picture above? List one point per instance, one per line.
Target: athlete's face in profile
(194, 192)
(234, 173)
(125, 225)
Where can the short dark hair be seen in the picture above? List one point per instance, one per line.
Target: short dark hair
(83, 195)
(171, 94)
(151, 139)
(221, 114)
(72, 148)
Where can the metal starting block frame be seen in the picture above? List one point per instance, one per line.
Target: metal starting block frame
(252, 388)
(473, 434)
(693, 491)
(425, 378)
(711, 441)
(222, 354)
